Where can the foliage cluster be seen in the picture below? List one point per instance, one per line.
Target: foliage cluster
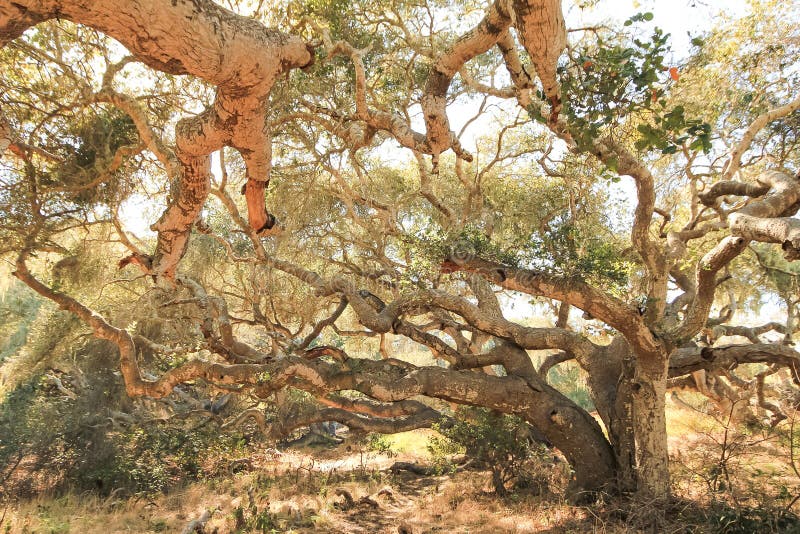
(505, 444)
(610, 82)
(563, 249)
(54, 442)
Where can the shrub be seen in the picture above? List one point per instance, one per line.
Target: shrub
(503, 443)
(49, 441)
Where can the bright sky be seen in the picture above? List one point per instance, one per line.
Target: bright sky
(682, 19)
(677, 17)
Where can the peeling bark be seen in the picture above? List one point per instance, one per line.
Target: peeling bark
(15, 18)
(567, 426)
(434, 101)
(649, 389)
(543, 33)
(237, 54)
(767, 219)
(628, 378)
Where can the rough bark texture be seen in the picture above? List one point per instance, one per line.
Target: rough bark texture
(768, 219)
(242, 58)
(650, 427)
(434, 101)
(542, 30)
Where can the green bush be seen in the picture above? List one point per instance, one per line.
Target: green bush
(50, 442)
(503, 443)
(746, 520)
(150, 458)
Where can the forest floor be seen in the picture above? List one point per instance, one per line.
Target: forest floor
(351, 490)
(290, 493)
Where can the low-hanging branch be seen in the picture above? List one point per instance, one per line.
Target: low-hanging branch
(242, 58)
(385, 381)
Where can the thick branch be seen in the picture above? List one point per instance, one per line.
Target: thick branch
(567, 426)
(15, 18)
(731, 187)
(553, 360)
(434, 101)
(652, 256)
(375, 409)
(237, 54)
(687, 360)
(767, 219)
(573, 291)
(705, 286)
(750, 332)
(543, 32)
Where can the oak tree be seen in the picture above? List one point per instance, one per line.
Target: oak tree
(399, 226)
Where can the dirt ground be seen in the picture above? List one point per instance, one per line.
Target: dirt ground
(334, 491)
(348, 489)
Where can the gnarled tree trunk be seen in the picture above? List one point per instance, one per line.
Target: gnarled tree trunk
(650, 427)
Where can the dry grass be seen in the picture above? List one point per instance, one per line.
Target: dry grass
(298, 492)
(308, 503)
(298, 496)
